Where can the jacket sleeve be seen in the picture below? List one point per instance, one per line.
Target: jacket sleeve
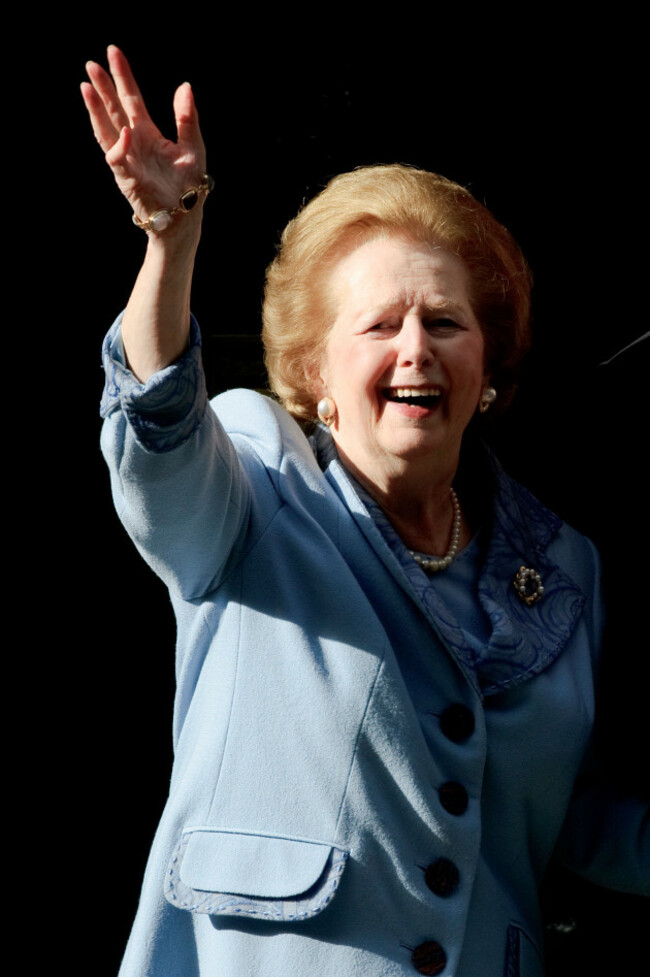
(606, 835)
(177, 482)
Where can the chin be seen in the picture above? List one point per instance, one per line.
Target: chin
(417, 450)
(427, 446)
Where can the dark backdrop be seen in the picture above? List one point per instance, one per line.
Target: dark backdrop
(543, 121)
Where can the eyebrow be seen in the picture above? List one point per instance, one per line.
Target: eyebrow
(444, 306)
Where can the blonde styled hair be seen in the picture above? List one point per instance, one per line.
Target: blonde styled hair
(384, 200)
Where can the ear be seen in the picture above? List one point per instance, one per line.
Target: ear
(315, 380)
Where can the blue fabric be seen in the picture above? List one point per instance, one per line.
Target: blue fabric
(312, 769)
(452, 595)
(241, 863)
(168, 409)
(524, 640)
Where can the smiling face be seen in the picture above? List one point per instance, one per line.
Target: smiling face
(403, 360)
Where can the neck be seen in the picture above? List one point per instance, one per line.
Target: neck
(418, 503)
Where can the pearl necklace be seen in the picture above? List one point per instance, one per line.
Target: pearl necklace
(431, 564)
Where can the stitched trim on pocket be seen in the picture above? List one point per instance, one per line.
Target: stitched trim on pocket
(313, 895)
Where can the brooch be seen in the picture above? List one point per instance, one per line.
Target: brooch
(528, 585)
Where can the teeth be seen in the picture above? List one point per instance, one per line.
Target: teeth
(417, 391)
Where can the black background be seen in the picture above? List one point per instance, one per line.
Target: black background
(543, 119)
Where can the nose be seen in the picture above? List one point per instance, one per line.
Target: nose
(414, 343)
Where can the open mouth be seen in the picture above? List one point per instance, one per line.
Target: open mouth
(414, 396)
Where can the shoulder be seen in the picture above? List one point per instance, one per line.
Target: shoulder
(252, 414)
(262, 430)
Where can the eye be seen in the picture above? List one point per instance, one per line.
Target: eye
(443, 325)
(384, 326)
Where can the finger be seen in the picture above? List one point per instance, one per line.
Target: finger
(104, 130)
(122, 162)
(126, 87)
(187, 122)
(118, 152)
(103, 85)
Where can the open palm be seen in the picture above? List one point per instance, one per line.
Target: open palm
(151, 171)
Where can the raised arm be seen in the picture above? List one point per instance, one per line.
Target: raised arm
(153, 173)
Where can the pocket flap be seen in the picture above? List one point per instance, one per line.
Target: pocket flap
(227, 872)
(255, 865)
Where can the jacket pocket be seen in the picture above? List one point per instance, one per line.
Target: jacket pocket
(231, 873)
(523, 959)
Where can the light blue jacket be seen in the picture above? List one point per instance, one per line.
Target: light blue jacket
(347, 797)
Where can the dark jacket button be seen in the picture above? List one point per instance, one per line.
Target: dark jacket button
(429, 958)
(457, 723)
(442, 877)
(453, 797)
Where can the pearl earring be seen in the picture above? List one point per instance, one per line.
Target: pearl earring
(326, 410)
(488, 397)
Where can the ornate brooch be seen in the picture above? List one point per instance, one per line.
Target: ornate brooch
(528, 585)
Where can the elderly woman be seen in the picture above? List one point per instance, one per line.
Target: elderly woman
(385, 645)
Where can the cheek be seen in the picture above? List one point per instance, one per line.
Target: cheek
(473, 360)
(352, 371)
(482, 357)
(467, 375)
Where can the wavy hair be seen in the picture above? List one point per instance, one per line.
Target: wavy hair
(381, 201)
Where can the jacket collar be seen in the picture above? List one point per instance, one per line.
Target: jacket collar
(525, 639)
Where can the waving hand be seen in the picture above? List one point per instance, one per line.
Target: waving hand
(152, 172)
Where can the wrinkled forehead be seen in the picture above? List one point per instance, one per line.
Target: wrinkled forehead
(392, 272)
